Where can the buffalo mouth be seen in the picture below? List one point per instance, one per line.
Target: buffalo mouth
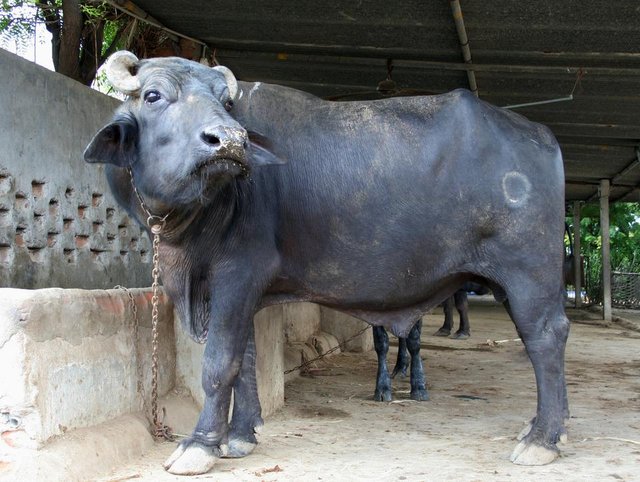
(221, 165)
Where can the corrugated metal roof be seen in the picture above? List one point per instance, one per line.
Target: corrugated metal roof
(522, 52)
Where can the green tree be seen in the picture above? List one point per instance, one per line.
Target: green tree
(624, 232)
(84, 32)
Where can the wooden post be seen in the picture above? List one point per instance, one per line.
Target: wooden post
(577, 265)
(606, 249)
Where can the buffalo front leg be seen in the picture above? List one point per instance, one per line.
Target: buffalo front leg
(383, 380)
(221, 364)
(246, 420)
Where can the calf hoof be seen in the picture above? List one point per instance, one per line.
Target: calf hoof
(382, 395)
(460, 335)
(529, 453)
(419, 395)
(192, 458)
(442, 332)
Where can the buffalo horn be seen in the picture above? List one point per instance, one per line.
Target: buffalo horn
(118, 70)
(232, 83)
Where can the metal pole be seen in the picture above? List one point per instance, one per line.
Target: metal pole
(577, 258)
(606, 249)
(464, 43)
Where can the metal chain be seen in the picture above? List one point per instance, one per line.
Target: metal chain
(160, 429)
(328, 352)
(136, 344)
(156, 224)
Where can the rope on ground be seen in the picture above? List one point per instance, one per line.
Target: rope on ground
(615, 439)
(320, 357)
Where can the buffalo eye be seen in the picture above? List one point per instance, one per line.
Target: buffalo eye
(228, 105)
(152, 96)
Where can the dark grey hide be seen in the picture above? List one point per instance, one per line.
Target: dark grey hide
(368, 215)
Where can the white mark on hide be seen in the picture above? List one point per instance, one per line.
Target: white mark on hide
(254, 89)
(241, 94)
(516, 188)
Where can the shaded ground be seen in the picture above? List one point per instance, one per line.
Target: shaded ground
(481, 395)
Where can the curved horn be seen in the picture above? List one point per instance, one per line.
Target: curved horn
(232, 83)
(118, 70)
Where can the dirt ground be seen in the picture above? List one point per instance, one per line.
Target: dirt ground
(481, 396)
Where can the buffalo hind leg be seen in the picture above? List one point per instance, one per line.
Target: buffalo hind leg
(418, 381)
(383, 380)
(544, 329)
(447, 307)
(402, 361)
(246, 420)
(462, 305)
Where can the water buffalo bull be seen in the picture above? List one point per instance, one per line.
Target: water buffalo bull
(364, 216)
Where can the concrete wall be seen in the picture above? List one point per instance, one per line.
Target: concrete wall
(59, 225)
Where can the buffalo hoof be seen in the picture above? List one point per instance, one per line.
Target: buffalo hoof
(460, 335)
(402, 370)
(525, 431)
(192, 458)
(442, 332)
(382, 395)
(529, 453)
(239, 448)
(419, 395)
(562, 438)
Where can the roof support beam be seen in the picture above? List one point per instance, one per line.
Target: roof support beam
(464, 44)
(342, 54)
(633, 165)
(134, 11)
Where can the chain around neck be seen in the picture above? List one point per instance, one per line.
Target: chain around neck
(155, 222)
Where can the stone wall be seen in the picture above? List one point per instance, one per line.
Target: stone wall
(59, 224)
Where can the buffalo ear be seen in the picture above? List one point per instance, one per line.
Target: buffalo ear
(114, 143)
(261, 151)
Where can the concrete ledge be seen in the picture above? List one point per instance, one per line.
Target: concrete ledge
(83, 454)
(343, 327)
(68, 359)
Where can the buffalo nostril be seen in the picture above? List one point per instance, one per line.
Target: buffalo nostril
(210, 138)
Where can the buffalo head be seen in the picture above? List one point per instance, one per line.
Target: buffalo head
(175, 131)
